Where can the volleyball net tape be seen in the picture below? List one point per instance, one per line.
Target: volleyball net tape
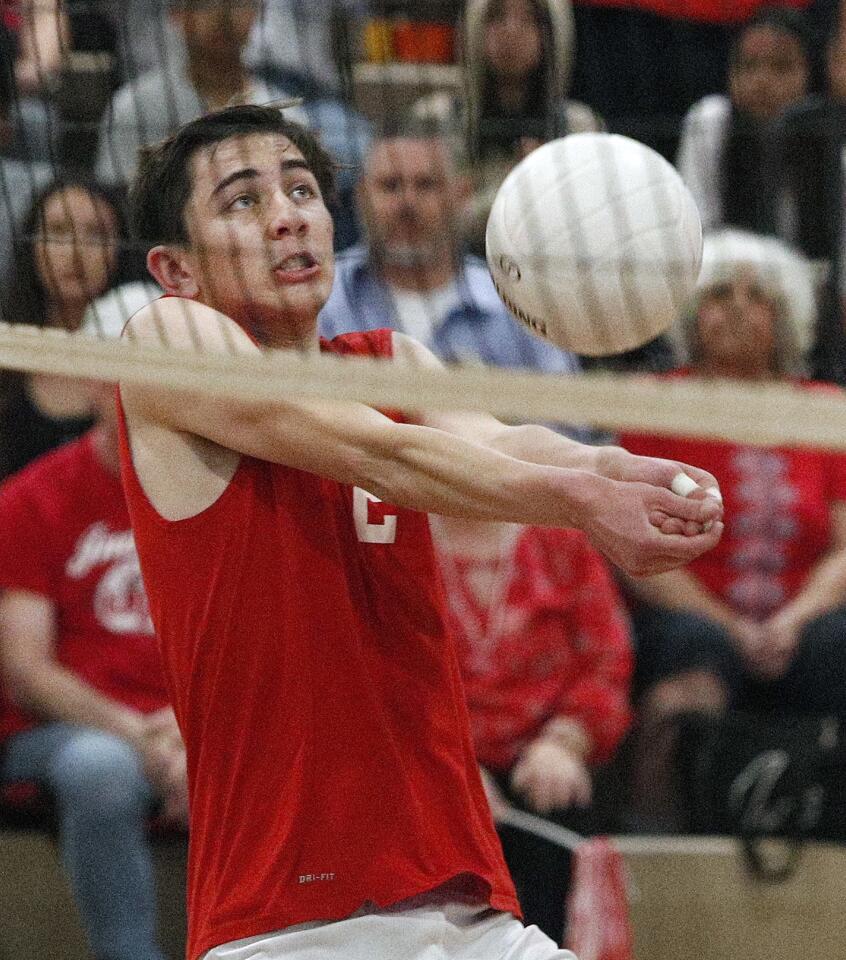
(767, 414)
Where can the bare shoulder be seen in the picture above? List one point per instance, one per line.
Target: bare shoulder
(175, 323)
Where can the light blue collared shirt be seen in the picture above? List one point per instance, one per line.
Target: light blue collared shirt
(478, 328)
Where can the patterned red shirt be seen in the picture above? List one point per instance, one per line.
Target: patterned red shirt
(777, 514)
(552, 640)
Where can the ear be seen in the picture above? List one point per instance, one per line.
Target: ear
(172, 270)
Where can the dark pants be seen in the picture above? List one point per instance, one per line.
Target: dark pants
(671, 642)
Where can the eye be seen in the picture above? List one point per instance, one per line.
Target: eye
(242, 202)
(303, 191)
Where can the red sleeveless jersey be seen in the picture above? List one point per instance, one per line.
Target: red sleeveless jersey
(329, 756)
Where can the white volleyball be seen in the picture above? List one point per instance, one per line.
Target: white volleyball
(595, 243)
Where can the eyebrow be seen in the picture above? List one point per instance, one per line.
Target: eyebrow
(249, 173)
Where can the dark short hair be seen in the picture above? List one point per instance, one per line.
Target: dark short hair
(784, 19)
(163, 183)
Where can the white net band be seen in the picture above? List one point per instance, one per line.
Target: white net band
(766, 414)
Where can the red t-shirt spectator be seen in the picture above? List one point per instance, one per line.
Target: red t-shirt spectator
(65, 535)
(777, 515)
(551, 639)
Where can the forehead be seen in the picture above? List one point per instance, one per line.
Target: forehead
(262, 152)
(408, 156)
(500, 9)
(75, 203)
(766, 40)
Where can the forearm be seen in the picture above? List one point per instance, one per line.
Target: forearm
(680, 590)
(44, 38)
(437, 472)
(51, 692)
(824, 590)
(536, 444)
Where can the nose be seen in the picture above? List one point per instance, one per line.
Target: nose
(284, 216)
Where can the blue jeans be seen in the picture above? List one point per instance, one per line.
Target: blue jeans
(102, 803)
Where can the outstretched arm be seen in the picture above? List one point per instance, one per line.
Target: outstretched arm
(425, 467)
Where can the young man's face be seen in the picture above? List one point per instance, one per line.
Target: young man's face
(260, 236)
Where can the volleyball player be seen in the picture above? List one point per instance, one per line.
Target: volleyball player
(336, 804)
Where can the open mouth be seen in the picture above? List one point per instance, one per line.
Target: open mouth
(296, 268)
(297, 261)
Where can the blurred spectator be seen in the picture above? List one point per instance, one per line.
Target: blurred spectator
(517, 65)
(209, 75)
(42, 38)
(643, 63)
(812, 150)
(295, 43)
(759, 622)
(546, 658)
(20, 177)
(87, 716)
(291, 45)
(145, 38)
(725, 155)
(411, 274)
(69, 252)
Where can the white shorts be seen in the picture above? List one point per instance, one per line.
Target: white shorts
(447, 931)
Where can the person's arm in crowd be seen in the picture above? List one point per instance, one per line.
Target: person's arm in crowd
(43, 42)
(460, 465)
(681, 590)
(823, 591)
(593, 712)
(700, 146)
(39, 684)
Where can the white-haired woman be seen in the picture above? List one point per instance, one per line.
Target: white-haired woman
(759, 622)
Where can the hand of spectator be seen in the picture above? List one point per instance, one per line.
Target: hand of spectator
(551, 777)
(162, 724)
(751, 642)
(781, 639)
(495, 796)
(162, 749)
(174, 791)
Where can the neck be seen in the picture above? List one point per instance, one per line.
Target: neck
(728, 371)
(217, 82)
(106, 447)
(65, 316)
(419, 279)
(511, 95)
(473, 537)
(304, 339)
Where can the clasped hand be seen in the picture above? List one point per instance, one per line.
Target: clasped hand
(641, 525)
(163, 753)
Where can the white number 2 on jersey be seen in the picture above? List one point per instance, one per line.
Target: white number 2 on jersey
(384, 532)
